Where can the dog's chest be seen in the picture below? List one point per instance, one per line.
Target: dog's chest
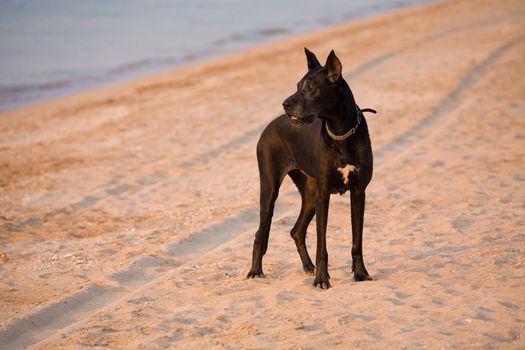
(342, 173)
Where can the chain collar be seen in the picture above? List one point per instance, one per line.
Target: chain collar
(349, 132)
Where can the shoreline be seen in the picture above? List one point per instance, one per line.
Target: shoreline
(132, 208)
(111, 85)
(25, 95)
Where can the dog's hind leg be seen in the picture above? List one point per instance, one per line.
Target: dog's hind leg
(307, 188)
(270, 182)
(357, 200)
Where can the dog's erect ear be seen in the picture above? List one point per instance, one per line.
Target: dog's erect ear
(311, 59)
(333, 68)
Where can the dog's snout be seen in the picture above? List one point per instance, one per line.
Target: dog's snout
(289, 104)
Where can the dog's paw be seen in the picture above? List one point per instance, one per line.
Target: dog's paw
(363, 276)
(359, 270)
(322, 281)
(309, 269)
(253, 274)
(322, 284)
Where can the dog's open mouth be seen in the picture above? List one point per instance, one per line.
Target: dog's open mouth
(298, 122)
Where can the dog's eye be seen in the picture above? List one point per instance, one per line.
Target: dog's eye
(309, 87)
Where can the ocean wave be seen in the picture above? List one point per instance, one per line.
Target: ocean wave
(146, 63)
(15, 90)
(13, 96)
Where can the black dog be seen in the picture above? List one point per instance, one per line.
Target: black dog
(322, 143)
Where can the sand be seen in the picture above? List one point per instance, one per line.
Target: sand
(127, 214)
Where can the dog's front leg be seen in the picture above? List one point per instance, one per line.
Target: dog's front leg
(322, 278)
(357, 199)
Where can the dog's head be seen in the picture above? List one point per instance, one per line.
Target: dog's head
(317, 92)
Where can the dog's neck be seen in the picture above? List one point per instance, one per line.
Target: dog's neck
(345, 122)
(350, 130)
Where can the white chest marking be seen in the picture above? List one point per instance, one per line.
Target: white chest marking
(345, 172)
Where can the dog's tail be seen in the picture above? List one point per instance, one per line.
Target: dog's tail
(368, 110)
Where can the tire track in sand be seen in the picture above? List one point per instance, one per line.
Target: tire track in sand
(394, 149)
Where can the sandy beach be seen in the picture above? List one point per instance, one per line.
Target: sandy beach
(127, 214)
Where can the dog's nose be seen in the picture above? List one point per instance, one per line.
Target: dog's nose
(286, 104)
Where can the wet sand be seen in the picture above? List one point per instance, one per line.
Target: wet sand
(127, 214)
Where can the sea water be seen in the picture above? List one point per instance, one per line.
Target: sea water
(51, 48)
